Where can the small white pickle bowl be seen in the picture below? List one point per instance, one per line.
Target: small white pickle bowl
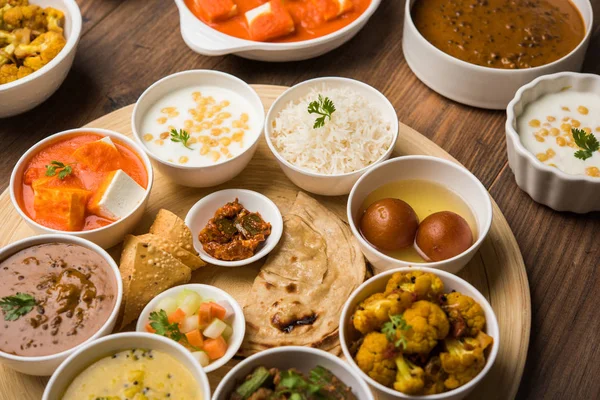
(319, 183)
(446, 173)
(92, 352)
(199, 176)
(46, 365)
(451, 282)
(548, 185)
(300, 358)
(207, 41)
(106, 236)
(208, 293)
(201, 212)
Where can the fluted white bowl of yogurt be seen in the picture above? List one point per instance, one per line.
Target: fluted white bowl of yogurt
(551, 129)
(200, 128)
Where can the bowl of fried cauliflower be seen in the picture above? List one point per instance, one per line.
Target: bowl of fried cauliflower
(419, 333)
(38, 41)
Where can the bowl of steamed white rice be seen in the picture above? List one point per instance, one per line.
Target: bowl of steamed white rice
(326, 133)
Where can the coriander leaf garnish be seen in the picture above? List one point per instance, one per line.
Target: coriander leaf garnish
(180, 137)
(397, 322)
(324, 107)
(588, 143)
(16, 306)
(159, 321)
(64, 170)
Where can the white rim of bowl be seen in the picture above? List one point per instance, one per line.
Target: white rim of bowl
(52, 138)
(482, 234)
(204, 385)
(67, 239)
(516, 138)
(395, 126)
(266, 249)
(198, 288)
(248, 45)
(72, 40)
(284, 349)
(491, 359)
(255, 100)
(460, 62)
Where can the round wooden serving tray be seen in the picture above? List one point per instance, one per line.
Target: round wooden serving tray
(497, 270)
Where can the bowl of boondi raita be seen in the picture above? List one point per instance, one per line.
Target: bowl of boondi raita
(326, 133)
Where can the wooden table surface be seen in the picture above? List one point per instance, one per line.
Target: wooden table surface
(127, 45)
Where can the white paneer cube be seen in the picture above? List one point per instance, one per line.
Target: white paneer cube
(257, 12)
(107, 140)
(117, 196)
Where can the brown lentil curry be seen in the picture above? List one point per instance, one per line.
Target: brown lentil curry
(507, 34)
(74, 292)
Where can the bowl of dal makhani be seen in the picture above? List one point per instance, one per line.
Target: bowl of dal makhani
(480, 52)
(326, 133)
(57, 293)
(129, 365)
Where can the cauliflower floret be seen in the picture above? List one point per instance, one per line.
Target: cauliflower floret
(428, 324)
(465, 314)
(376, 360)
(28, 16)
(464, 359)
(8, 72)
(42, 50)
(425, 285)
(434, 376)
(376, 310)
(54, 19)
(410, 378)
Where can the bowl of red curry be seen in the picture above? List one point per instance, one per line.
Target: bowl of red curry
(273, 30)
(57, 292)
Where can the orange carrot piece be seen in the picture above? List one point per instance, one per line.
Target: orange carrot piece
(195, 338)
(215, 348)
(149, 328)
(177, 316)
(217, 311)
(204, 315)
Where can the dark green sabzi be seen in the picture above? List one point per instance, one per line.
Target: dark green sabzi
(320, 384)
(14, 307)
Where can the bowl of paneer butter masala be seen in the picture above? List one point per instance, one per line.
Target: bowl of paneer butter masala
(57, 293)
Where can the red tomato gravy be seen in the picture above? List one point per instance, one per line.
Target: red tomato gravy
(309, 24)
(62, 150)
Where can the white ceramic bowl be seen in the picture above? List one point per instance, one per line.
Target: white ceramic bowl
(451, 282)
(107, 236)
(198, 216)
(26, 93)
(548, 185)
(317, 183)
(45, 365)
(446, 173)
(189, 175)
(209, 42)
(89, 354)
(301, 358)
(475, 85)
(208, 293)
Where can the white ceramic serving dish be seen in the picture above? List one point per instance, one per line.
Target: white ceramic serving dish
(198, 216)
(189, 175)
(46, 365)
(26, 93)
(451, 282)
(317, 183)
(301, 358)
(208, 293)
(209, 42)
(446, 173)
(476, 85)
(92, 352)
(548, 185)
(107, 236)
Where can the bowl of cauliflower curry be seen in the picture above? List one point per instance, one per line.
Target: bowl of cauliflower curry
(419, 332)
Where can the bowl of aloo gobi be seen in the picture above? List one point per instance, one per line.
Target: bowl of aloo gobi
(38, 41)
(480, 52)
(419, 333)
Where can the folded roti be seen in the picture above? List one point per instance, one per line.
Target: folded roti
(299, 293)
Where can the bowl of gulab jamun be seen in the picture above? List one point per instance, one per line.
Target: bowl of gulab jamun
(419, 210)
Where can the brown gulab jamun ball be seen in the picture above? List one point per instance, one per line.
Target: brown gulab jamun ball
(389, 224)
(443, 235)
